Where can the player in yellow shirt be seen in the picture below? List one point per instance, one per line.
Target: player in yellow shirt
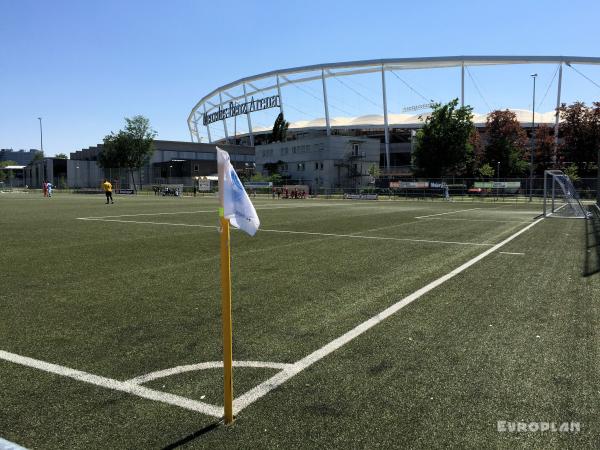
(107, 190)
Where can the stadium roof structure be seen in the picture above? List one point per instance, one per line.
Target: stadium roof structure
(217, 102)
(406, 120)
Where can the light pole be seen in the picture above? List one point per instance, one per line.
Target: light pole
(42, 150)
(170, 167)
(497, 177)
(534, 76)
(41, 136)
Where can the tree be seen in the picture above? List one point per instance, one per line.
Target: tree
(477, 156)
(506, 142)
(61, 156)
(130, 148)
(572, 172)
(6, 174)
(273, 168)
(280, 128)
(580, 130)
(38, 155)
(374, 170)
(442, 146)
(276, 179)
(544, 149)
(486, 171)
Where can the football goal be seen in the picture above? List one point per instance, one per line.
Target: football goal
(560, 196)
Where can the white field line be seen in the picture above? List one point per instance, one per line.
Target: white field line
(150, 214)
(262, 389)
(149, 223)
(215, 211)
(375, 237)
(556, 210)
(116, 385)
(526, 212)
(479, 220)
(7, 445)
(443, 214)
(308, 233)
(511, 253)
(203, 366)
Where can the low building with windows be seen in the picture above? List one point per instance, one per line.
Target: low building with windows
(20, 157)
(322, 162)
(53, 170)
(173, 162)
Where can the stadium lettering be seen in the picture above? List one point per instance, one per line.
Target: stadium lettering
(236, 109)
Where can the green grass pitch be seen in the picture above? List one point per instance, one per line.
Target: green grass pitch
(125, 290)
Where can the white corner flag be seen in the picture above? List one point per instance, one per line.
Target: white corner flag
(237, 207)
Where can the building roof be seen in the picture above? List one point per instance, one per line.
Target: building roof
(408, 120)
(275, 80)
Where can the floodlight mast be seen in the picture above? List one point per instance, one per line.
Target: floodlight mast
(534, 76)
(41, 136)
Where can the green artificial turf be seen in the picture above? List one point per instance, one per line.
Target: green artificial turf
(514, 337)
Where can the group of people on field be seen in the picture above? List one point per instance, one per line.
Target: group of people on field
(47, 188)
(289, 193)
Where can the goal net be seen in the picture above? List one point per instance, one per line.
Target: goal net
(560, 196)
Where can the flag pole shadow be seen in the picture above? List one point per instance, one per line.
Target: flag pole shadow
(195, 435)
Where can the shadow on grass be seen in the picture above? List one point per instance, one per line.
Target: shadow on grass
(195, 435)
(592, 243)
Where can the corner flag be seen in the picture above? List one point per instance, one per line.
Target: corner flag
(237, 207)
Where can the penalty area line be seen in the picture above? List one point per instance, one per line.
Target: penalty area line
(277, 380)
(214, 211)
(307, 233)
(380, 238)
(443, 214)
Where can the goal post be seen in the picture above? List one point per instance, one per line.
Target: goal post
(560, 196)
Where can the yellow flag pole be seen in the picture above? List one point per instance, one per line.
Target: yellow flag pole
(226, 308)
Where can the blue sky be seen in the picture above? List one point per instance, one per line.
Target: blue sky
(85, 65)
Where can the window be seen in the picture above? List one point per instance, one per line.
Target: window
(316, 166)
(321, 166)
(196, 168)
(355, 149)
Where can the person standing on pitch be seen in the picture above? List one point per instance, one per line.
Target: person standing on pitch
(49, 189)
(107, 190)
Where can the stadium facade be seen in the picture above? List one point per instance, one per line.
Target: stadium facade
(337, 151)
